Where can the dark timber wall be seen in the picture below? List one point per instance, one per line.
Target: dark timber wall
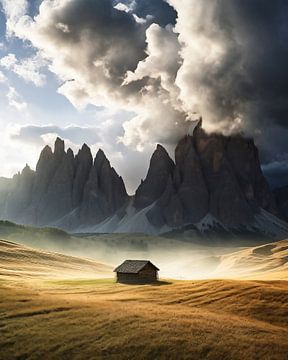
(147, 275)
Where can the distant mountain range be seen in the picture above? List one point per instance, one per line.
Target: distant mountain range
(214, 185)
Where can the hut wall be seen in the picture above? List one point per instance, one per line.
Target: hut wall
(144, 276)
(148, 274)
(128, 278)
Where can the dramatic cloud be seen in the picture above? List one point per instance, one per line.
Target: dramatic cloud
(112, 70)
(168, 62)
(234, 61)
(157, 11)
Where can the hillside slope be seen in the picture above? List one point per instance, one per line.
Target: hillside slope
(21, 262)
(267, 262)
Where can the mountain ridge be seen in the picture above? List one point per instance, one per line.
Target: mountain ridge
(213, 177)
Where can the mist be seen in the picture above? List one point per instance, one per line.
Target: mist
(177, 259)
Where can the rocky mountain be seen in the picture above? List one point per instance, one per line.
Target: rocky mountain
(65, 189)
(214, 184)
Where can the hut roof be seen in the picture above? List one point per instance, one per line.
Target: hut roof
(133, 266)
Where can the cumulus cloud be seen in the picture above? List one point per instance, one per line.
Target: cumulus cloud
(15, 100)
(28, 69)
(3, 78)
(14, 10)
(112, 70)
(37, 134)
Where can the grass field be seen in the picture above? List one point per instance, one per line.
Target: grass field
(21, 262)
(44, 315)
(80, 319)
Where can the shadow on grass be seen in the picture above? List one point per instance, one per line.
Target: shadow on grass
(105, 281)
(156, 283)
(161, 283)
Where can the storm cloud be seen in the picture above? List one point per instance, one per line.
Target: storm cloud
(235, 54)
(170, 62)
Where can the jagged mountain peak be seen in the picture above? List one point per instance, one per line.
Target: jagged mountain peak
(46, 156)
(160, 168)
(47, 150)
(85, 148)
(84, 154)
(198, 128)
(161, 148)
(100, 155)
(59, 146)
(83, 164)
(160, 154)
(101, 161)
(70, 153)
(26, 169)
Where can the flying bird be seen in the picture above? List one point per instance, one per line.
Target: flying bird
(67, 81)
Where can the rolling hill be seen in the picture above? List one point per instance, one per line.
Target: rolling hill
(21, 262)
(267, 262)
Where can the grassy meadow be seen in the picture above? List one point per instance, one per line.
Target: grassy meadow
(98, 319)
(55, 306)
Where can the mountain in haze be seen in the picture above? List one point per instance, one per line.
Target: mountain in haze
(214, 184)
(64, 187)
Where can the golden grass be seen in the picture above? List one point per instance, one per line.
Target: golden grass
(266, 262)
(18, 261)
(52, 308)
(178, 320)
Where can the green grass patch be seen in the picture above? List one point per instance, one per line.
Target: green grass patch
(12, 231)
(80, 282)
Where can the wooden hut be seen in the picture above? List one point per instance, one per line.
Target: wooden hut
(136, 272)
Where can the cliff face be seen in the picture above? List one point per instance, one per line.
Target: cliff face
(18, 195)
(212, 174)
(104, 192)
(63, 184)
(236, 184)
(160, 169)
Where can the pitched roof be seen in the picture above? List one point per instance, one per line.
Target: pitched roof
(133, 266)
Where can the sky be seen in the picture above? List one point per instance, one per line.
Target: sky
(125, 75)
